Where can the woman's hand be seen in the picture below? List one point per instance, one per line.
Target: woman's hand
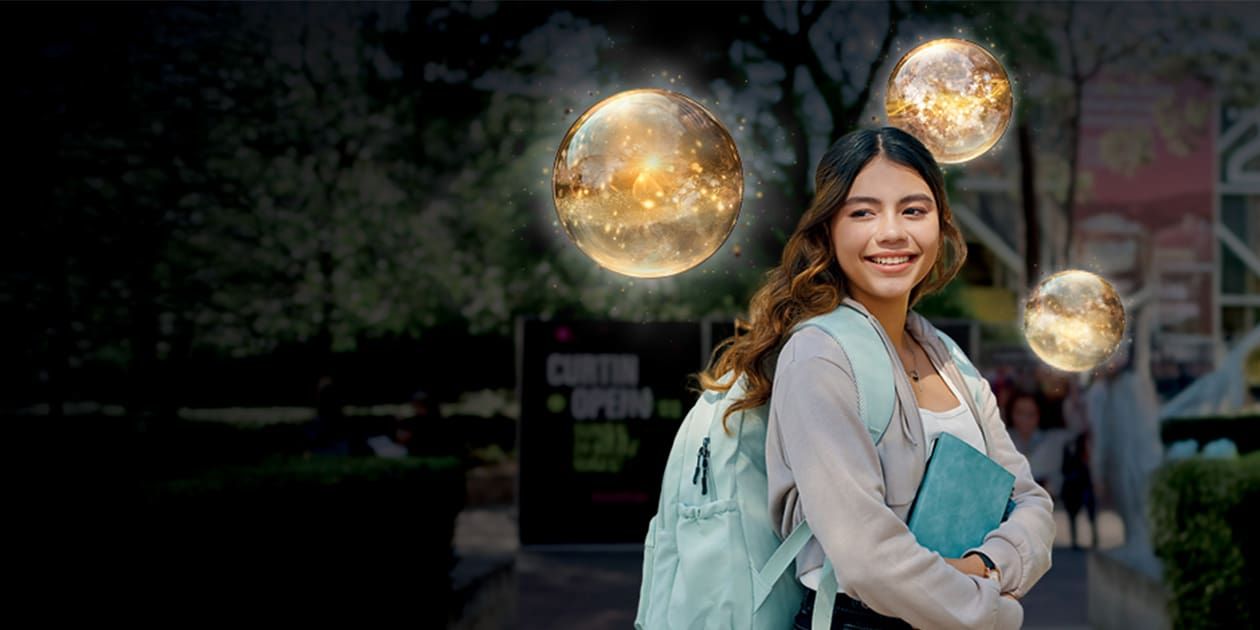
(971, 565)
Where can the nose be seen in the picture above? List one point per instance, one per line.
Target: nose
(891, 230)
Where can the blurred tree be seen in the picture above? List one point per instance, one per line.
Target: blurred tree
(1094, 37)
(1059, 49)
(1217, 44)
(304, 246)
(496, 250)
(116, 130)
(233, 179)
(778, 74)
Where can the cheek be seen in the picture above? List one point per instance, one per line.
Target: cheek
(848, 252)
(929, 241)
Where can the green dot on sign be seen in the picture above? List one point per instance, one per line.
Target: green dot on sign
(556, 403)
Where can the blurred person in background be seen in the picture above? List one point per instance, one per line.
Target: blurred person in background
(1042, 447)
(1078, 486)
(1053, 390)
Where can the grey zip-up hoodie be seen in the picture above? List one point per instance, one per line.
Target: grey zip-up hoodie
(823, 467)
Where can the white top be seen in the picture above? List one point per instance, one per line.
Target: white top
(959, 421)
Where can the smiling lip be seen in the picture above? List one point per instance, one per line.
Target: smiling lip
(908, 260)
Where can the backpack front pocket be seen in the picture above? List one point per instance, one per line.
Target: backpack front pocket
(708, 579)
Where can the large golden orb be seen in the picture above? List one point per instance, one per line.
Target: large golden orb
(648, 183)
(1074, 320)
(953, 96)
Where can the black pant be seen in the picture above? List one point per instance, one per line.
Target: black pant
(849, 614)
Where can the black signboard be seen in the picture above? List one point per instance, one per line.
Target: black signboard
(600, 404)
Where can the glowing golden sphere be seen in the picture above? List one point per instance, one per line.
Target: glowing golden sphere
(648, 183)
(1074, 320)
(953, 96)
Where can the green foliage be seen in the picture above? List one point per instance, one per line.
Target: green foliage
(1204, 521)
(1003, 334)
(237, 178)
(946, 303)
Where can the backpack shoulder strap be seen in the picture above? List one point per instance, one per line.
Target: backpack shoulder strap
(872, 370)
(778, 562)
(825, 600)
(872, 367)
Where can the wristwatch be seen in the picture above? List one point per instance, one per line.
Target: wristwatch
(990, 569)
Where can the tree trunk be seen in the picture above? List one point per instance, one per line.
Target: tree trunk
(1028, 199)
(1074, 143)
(324, 338)
(777, 224)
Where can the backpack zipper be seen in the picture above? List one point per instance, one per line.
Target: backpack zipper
(701, 475)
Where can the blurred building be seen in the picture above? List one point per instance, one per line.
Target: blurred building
(1167, 208)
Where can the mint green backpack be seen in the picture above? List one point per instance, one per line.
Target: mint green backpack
(711, 558)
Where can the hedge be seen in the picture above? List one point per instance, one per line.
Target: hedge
(361, 528)
(1204, 524)
(151, 509)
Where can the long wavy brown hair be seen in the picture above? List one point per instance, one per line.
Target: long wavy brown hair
(808, 280)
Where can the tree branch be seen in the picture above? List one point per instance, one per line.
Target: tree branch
(894, 25)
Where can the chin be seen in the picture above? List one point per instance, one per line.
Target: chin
(884, 290)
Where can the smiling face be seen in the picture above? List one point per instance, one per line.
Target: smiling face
(887, 234)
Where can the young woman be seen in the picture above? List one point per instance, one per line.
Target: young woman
(878, 237)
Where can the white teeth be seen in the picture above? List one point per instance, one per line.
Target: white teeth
(892, 261)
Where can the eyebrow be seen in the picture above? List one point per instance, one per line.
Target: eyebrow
(904, 200)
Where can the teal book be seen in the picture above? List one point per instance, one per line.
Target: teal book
(964, 495)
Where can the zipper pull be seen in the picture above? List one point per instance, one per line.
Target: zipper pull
(704, 479)
(695, 477)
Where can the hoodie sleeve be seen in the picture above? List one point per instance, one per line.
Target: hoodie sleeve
(838, 475)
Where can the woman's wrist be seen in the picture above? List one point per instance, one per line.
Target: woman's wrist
(990, 569)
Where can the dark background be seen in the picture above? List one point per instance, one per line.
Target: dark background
(215, 207)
